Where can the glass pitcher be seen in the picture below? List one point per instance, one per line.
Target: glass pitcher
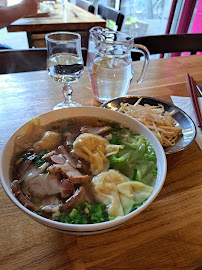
(111, 70)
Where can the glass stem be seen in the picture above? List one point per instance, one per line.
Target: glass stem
(67, 92)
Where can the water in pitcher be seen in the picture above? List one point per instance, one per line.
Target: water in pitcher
(110, 77)
(111, 70)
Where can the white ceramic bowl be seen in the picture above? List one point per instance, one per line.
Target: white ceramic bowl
(85, 112)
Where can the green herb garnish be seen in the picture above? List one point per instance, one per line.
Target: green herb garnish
(39, 161)
(66, 129)
(55, 127)
(21, 183)
(40, 213)
(28, 156)
(46, 175)
(134, 178)
(136, 205)
(115, 140)
(154, 172)
(86, 214)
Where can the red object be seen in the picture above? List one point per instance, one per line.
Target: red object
(171, 16)
(186, 16)
(191, 87)
(185, 19)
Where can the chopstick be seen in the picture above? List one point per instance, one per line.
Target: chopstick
(73, 12)
(199, 89)
(191, 87)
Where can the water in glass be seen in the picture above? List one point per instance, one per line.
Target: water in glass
(65, 67)
(64, 62)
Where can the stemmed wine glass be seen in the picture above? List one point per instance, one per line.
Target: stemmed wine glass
(64, 62)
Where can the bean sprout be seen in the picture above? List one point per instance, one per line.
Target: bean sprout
(159, 121)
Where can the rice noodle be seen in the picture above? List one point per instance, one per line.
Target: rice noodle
(156, 119)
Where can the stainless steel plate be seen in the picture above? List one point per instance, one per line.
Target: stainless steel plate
(186, 123)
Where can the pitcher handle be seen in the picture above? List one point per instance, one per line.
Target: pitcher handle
(142, 49)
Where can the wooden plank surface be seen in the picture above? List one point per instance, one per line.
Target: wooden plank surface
(58, 21)
(37, 27)
(167, 235)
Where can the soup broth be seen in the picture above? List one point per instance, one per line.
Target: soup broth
(82, 170)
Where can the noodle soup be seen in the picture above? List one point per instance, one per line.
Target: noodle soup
(82, 170)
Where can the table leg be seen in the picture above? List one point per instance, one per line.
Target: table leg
(30, 40)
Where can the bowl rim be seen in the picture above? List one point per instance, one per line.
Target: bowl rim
(97, 227)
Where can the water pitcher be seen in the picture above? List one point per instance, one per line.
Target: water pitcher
(111, 70)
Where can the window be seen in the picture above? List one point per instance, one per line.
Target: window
(142, 17)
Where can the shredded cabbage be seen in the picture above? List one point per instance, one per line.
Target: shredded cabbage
(136, 159)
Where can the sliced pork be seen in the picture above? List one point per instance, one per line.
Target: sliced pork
(95, 130)
(50, 176)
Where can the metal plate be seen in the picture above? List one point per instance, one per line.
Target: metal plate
(186, 123)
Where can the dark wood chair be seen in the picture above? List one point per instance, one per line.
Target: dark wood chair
(108, 13)
(14, 61)
(85, 5)
(170, 43)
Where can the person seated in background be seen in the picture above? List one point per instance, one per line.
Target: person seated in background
(15, 12)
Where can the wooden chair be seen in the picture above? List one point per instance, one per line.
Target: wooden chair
(14, 61)
(170, 43)
(37, 39)
(85, 5)
(108, 13)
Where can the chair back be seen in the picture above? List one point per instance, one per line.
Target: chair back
(108, 13)
(85, 5)
(170, 43)
(14, 61)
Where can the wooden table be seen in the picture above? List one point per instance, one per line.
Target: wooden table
(167, 235)
(36, 27)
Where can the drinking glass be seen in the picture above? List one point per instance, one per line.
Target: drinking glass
(64, 2)
(64, 62)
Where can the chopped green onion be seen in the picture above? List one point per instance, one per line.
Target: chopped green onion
(115, 140)
(154, 172)
(134, 178)
(55, 127)
(86, 214)
(66, 129)
(21, 183)
(73, 213)
(46, 175)
(40, 213)
(39, 161)
(136, 205)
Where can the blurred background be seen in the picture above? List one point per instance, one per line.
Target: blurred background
(142, 17)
